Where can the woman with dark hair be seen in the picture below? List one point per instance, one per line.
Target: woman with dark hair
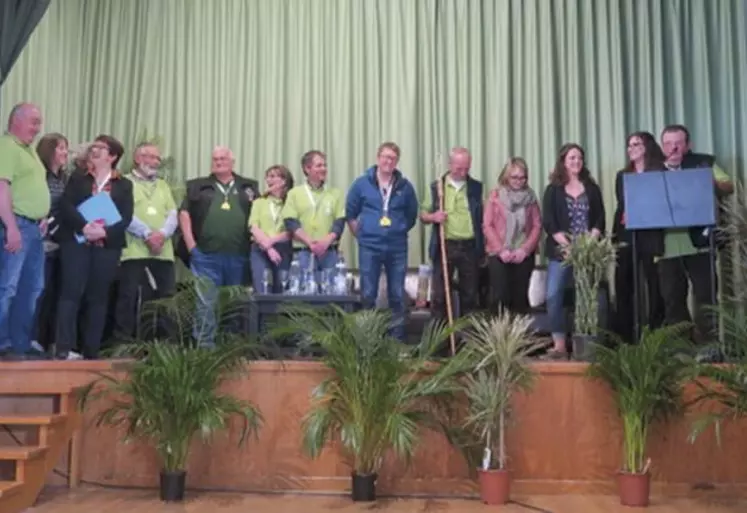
(271, 250)
(644, 154)
(572, 205)
(53, 152)
(89, 267)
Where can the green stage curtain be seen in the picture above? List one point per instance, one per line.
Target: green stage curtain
(18, 19)
(274, 78)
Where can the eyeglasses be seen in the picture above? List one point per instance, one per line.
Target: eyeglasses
(518, 178)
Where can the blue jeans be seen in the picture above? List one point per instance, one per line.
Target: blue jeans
(394, 262)
(21, 284)
(214, 270)
(559, 280)
(260, 263)
(327, 262)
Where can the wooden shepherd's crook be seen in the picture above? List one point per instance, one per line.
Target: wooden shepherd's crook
(445, 264)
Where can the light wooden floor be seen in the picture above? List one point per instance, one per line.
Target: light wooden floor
(121, 501)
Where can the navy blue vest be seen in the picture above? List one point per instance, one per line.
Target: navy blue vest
(474, 200)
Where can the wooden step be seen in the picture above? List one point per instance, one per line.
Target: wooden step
(23, 419)
(17, 389)
(8, 488)
(20, 452)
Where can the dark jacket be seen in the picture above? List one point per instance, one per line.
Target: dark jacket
(474, 200)
(555, 214)
(197, 199)
(78, 189)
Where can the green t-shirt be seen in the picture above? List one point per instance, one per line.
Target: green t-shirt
(266, 215)
(677, 242)
(456, 205)
(153, 202)
(315, 209)
(21, 167)
(224, 230)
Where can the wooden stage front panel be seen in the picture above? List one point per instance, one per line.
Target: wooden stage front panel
(566, 438)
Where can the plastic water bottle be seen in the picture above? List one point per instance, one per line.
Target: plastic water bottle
(340, 285)
(294, 278)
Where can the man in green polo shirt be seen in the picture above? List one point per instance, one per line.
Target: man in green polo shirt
(24, 205)
(461, 217)
(686, 256)
(314, 214)
(147, 267)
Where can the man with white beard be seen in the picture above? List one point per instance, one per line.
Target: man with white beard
(147, 269)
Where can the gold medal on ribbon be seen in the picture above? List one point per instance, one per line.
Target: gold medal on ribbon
(226, 205)
(385, 221)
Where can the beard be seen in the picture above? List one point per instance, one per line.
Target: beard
(148, 172)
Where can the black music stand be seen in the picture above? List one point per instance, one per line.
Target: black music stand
(656, 200)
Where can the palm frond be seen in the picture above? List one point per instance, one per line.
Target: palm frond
(647, 381)
(380, 394)
(497, 349)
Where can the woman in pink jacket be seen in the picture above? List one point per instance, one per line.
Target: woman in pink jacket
(512, 225)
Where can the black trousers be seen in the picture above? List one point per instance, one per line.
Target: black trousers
(46, 309)
(674, 284)
(134, 282)
(87, 275)
(650, 299)
(462, 258)
(509, 284)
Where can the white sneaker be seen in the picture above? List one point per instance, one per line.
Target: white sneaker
(72, 355)
(36, 346)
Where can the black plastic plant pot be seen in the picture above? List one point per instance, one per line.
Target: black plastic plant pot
(364, 487)
(172, 485)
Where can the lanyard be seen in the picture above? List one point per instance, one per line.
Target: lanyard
(274, 211)
(226, 191)
(386, 195)
(100, 186)
(312, 199)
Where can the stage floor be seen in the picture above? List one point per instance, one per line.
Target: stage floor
(93, 500)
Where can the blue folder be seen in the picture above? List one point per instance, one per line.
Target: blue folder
(99, 206)
(669, 199)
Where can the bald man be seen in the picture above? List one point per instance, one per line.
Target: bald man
(215, 237)
(24, 205)
(462, 219)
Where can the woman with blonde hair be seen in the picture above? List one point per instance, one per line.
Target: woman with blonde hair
(512, 225)
(271, 250)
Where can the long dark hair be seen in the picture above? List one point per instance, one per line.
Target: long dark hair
(559, 175)
(653, 156)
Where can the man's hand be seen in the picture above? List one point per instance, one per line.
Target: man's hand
(320, 247)
(505, 256)
(13, 242)
(595, 233)
(155, 242)
(438, 217)
(43, 227)
(274, 256)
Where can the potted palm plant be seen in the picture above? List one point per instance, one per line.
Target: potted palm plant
(498, 350)
(379, 393)
(647, 382)
(591, 258)
(172, 394)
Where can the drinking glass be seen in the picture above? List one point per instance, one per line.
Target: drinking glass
(284, 275)
(266, 281)
(326, 281)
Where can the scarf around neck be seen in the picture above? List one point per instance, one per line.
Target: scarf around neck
(515, 205)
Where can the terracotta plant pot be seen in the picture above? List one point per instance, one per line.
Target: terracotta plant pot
(495, 485)
(634, 489)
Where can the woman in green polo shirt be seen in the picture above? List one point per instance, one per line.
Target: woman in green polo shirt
(271, 250)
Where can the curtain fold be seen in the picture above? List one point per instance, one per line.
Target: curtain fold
(274, 78)
(18, 19)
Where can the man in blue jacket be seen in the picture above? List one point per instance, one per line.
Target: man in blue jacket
(381, 209)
